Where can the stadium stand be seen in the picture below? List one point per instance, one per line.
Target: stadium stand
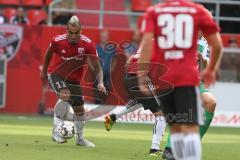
(37, 16)
(47, 2)
(93, 19)
(122, 20)
(61, 18)
(9, 12)
(10, 2)
(32, 2)
(140, 5)
(91, 5)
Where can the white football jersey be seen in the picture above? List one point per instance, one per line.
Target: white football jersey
(203, 48)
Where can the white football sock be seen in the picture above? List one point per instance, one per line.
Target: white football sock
(60, 111)
(158, 131)
(186, 146)
(131, 106)
(69, 114)
(79, 123)
(177, 141)
(192, 147)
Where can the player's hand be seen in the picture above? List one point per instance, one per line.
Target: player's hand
(209, 77)
(102, 88)
(143, 82)
(200, 57)
(43, 75)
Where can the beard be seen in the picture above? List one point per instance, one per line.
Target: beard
(73, 41)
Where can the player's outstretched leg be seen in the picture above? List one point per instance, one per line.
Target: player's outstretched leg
(59, 113)
(158, 131)
(110, 120)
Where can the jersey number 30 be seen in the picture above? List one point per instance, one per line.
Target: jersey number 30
(176, 31)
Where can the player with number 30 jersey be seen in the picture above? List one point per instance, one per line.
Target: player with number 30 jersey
(176, 35)
(175, 26)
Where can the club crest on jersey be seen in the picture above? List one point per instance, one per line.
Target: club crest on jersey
(10, 40)
(80, 50)
(63, 51)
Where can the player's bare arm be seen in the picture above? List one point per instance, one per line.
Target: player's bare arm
(47, 60)
(63, 94)
(209, 74)
(215, 42)
(205, 63)
(96, 67)
(144, 61)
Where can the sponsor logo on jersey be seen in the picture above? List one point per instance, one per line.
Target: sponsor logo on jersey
(78, 58)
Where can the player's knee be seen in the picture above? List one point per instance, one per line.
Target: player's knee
(175, 128)
(65, 95)
(79, 110)
(211, 105)
(209, 102)
(60, 108)
(158, 114)
(189, 128)
(192, 128)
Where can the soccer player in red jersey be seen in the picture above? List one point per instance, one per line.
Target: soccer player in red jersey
(175, 25)
(69, 52)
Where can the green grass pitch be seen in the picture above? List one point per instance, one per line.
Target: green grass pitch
(29, 138)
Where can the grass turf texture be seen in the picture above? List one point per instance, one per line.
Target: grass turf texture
(28, 138)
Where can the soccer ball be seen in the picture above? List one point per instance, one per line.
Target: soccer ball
(67, 130)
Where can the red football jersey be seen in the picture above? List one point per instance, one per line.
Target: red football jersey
(176, 24)
(69, 59)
